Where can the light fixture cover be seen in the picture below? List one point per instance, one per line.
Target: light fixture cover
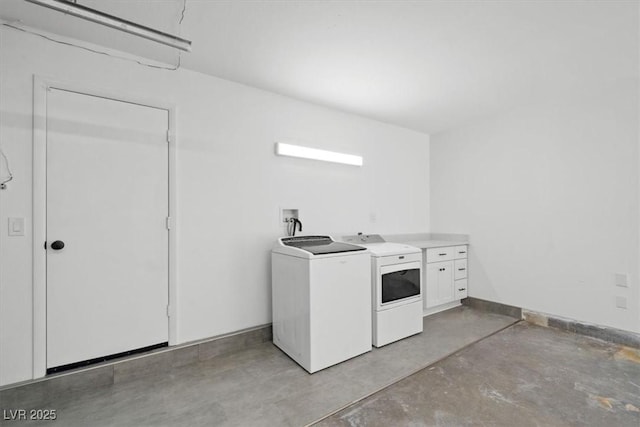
(291, 150)
(105, 19)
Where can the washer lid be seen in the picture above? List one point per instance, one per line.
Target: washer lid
(320, 245)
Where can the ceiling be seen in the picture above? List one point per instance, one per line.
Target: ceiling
(424, 65)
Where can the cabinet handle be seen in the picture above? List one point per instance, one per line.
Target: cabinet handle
(461, 289)
(461, 269)
(442, 254)
(462, 252)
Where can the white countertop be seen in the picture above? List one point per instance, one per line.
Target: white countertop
(429, 240)
(426, 244)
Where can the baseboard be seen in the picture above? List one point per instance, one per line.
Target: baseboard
(493, 307)
(440, 308)
(613, 335)
(153, 362)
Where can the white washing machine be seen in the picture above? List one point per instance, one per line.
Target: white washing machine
(396, 288)
(321, 294)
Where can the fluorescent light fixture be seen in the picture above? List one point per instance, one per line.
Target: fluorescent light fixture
(315, 154)
(102, 18)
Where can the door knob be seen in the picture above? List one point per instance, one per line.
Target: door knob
(57, 245)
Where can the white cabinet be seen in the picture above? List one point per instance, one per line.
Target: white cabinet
(440, 254)
(460, 267)
(460, 252)
(439, 280)
(445, 275)
(460, 288)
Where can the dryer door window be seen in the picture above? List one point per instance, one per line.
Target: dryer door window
(401, 284)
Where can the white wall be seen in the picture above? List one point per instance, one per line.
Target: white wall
(230, 184)
(549, 195)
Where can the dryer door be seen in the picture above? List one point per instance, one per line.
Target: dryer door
(399, 284)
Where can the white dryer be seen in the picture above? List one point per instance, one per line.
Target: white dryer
(396, 288)
(321, 294)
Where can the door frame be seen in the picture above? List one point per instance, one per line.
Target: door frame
(41, 87)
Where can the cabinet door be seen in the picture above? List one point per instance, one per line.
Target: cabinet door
(460, 269)
(460, 252)
(439, 283)
(431, 284)
(445, 282)
(440, 254)
(461, 289)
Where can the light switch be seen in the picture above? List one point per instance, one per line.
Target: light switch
(16, 226)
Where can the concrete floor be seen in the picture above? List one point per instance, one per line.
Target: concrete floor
(255, 387)
(523, 376)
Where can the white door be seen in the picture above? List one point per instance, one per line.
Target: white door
(107, 202)
(431, 284)
(439, 283)
(445, 283)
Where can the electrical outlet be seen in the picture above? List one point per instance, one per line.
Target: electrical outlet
(16, 226)
(621, 279)
(621, 302)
